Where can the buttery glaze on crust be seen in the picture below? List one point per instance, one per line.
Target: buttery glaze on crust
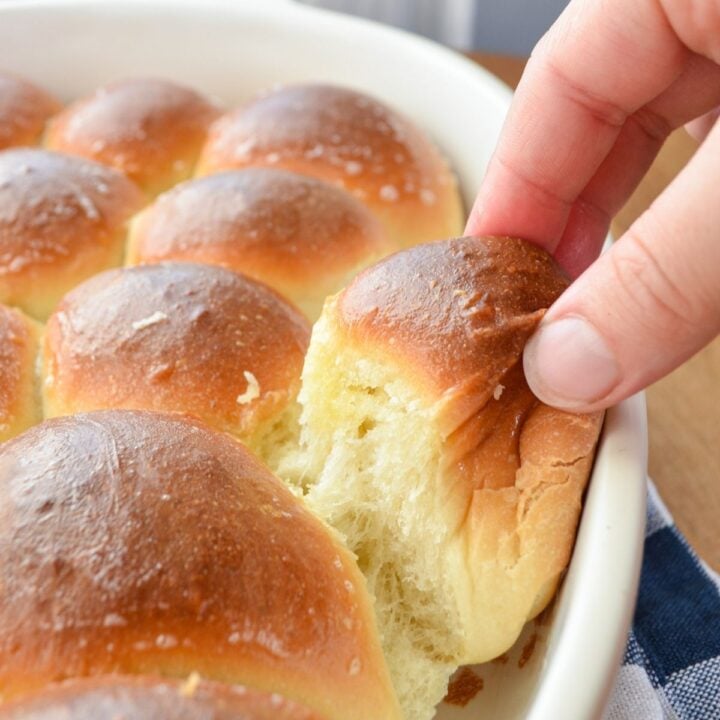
(24, 110)
(175, 336)
(19, 406)
(350, 139)
(152, 130)
(458, 311)
(62, 219)
(142, 543)
(117, 697)
(299, 234)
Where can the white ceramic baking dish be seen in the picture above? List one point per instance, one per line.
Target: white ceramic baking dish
(233, 49)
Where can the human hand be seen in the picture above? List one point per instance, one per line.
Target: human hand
(601, 92)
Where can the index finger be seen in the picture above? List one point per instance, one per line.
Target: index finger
(601, 62)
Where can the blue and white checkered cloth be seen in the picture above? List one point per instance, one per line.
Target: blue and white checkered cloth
(671, 668)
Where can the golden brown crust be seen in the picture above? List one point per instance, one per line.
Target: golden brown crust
(519, 536)
(350, 139)
(152, 130)
(62, 219)
(141, 543)
(296, 233)
(175, 337)
(24, 110)
(458, 311)
(117, 697)
(19, 406)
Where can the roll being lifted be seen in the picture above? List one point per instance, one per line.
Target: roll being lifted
(421, 442)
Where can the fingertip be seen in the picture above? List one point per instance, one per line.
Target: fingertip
(582, 239)
(570, 366)
(699, 128)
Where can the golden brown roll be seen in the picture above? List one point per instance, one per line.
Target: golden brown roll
(62, 219)
(141, 543)
(19, 392)
(352, 140)
(151, 130)
(300, 235)
(178, 337)
(118, 697)
(423, 445)
(24, 110)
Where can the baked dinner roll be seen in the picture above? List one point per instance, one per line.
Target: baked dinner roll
(62, 219)
(178, 337)
(141, 543)
(19, 392)
(459, 492)
(300, 235)
(352, 140)
(24, 110)
(116, 697)
(151, 130)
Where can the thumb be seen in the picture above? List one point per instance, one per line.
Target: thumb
(642, 308)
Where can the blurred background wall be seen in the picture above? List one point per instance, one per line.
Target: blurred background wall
(504, 26)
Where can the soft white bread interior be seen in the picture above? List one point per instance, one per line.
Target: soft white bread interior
(422, 444)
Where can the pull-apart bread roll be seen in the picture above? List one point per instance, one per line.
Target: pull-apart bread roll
(352, 140)
(300, 235)
(116, 697)
(19, 391)
(62, 219)
(24, 110)
(178, 337)
(457, 489)
(151, 130)
(142, 543)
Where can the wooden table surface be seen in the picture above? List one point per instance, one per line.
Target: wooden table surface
(683, 408)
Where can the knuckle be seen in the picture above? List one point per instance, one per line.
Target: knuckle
(541, 187)
(602, 110)
(654, 125)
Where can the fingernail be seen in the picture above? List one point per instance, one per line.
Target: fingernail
(568, 363)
